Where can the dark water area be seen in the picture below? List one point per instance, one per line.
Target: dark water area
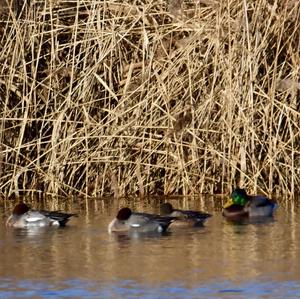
(257, 259)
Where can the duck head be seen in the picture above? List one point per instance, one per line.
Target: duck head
(238, 197)
(20, 209)
(119, 224)
(124, 214)
(166, 208)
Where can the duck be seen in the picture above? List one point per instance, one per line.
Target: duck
(242, 205)
(183, 218)
(127, 220)
(23, 217)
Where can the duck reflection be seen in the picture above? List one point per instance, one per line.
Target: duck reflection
(253, 220)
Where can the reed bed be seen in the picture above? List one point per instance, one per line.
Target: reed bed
(140, 97)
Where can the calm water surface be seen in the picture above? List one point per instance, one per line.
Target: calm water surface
(220, 260)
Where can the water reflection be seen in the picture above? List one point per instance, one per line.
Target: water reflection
(78, 288)
(257, 258)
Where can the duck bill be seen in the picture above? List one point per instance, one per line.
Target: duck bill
(228, 203)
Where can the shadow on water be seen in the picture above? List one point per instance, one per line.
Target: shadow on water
(255, 258)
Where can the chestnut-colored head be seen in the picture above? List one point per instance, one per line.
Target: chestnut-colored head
(20, 209)
(124, 214)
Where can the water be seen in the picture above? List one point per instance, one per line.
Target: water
(221, 260)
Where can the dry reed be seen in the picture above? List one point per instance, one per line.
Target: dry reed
(149, 97)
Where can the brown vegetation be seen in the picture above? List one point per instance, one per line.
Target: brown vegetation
(148, 97)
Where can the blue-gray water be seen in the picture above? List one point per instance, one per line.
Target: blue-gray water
(221, 260)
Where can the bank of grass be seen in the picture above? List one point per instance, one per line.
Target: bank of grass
(149, 97)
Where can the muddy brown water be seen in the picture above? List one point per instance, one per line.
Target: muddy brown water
(259, 259)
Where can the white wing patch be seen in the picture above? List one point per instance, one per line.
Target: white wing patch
(34, 219)
(135, 225)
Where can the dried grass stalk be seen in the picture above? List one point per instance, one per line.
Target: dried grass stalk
(148, 97)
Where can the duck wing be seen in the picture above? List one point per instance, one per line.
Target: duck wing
(34, 217)
(142, 219)
(189, 214)
(138, 219)
(61, 217)
(260, 201)
(260, 206)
